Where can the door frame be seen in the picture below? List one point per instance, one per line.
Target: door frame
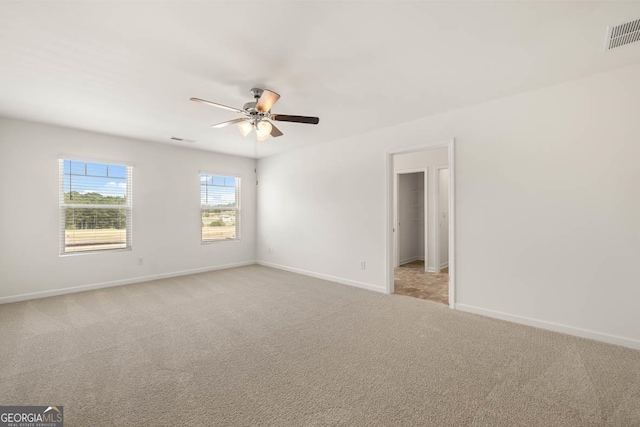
(436, 218)
(396, 212)
(390, 194)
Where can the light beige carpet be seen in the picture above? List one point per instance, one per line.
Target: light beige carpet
(254, 346)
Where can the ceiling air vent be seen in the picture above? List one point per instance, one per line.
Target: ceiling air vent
(623, 34)
(175, 138)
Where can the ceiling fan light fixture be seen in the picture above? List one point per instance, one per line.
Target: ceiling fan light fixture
(257, 114)
(263, 129)
(245, 128)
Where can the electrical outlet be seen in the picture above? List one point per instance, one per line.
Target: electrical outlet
(270, 250)
(140, 261)
(363, 265)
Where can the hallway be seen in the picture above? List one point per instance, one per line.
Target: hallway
(410, 279)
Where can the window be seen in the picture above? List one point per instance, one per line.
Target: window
(95, 206)
(219, 207)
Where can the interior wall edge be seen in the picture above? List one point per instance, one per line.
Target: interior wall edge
(552, 326)
(129, 281)
(328, 277)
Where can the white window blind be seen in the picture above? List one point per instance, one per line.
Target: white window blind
(219, 207)
(95, 206)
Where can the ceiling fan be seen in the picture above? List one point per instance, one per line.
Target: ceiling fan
(257, 115)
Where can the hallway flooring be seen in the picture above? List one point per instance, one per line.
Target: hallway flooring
(411, 279)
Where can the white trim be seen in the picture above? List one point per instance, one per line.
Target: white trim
(390, 221)
(444, 265)
(552, 326)
(414, 170)
(93, 251)
(390, 214)
(436, 218)
(426, 205)
(82, 288)
(325, 277)
(452, 223)
(413, 258)
(396, 216)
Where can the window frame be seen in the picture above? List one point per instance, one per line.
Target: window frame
(237, 208)
(62, 206)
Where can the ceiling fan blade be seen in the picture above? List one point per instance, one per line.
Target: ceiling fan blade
(296, 119)
(227, 123)
(213, 104)
(267, 100)
(275, 132)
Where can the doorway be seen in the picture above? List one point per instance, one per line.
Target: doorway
(410, 241)
(421, 244)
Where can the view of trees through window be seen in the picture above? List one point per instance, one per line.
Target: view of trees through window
(219, 207)
(95, 206)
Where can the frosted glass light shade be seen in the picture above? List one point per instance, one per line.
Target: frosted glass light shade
(263, 130)
(245, 128)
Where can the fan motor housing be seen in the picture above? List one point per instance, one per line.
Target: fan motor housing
(250, 106)
(253, 114)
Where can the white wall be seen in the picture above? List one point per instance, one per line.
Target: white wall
(166, 203)
(421, 159)
(430, 160)
(410, 224)
(546, 196)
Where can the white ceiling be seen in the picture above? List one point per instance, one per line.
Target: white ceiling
(130, 68)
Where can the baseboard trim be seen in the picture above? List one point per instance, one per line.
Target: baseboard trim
(408, 260)
(328, 277)
(551, 326)
(82, 288)
(444, 265)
